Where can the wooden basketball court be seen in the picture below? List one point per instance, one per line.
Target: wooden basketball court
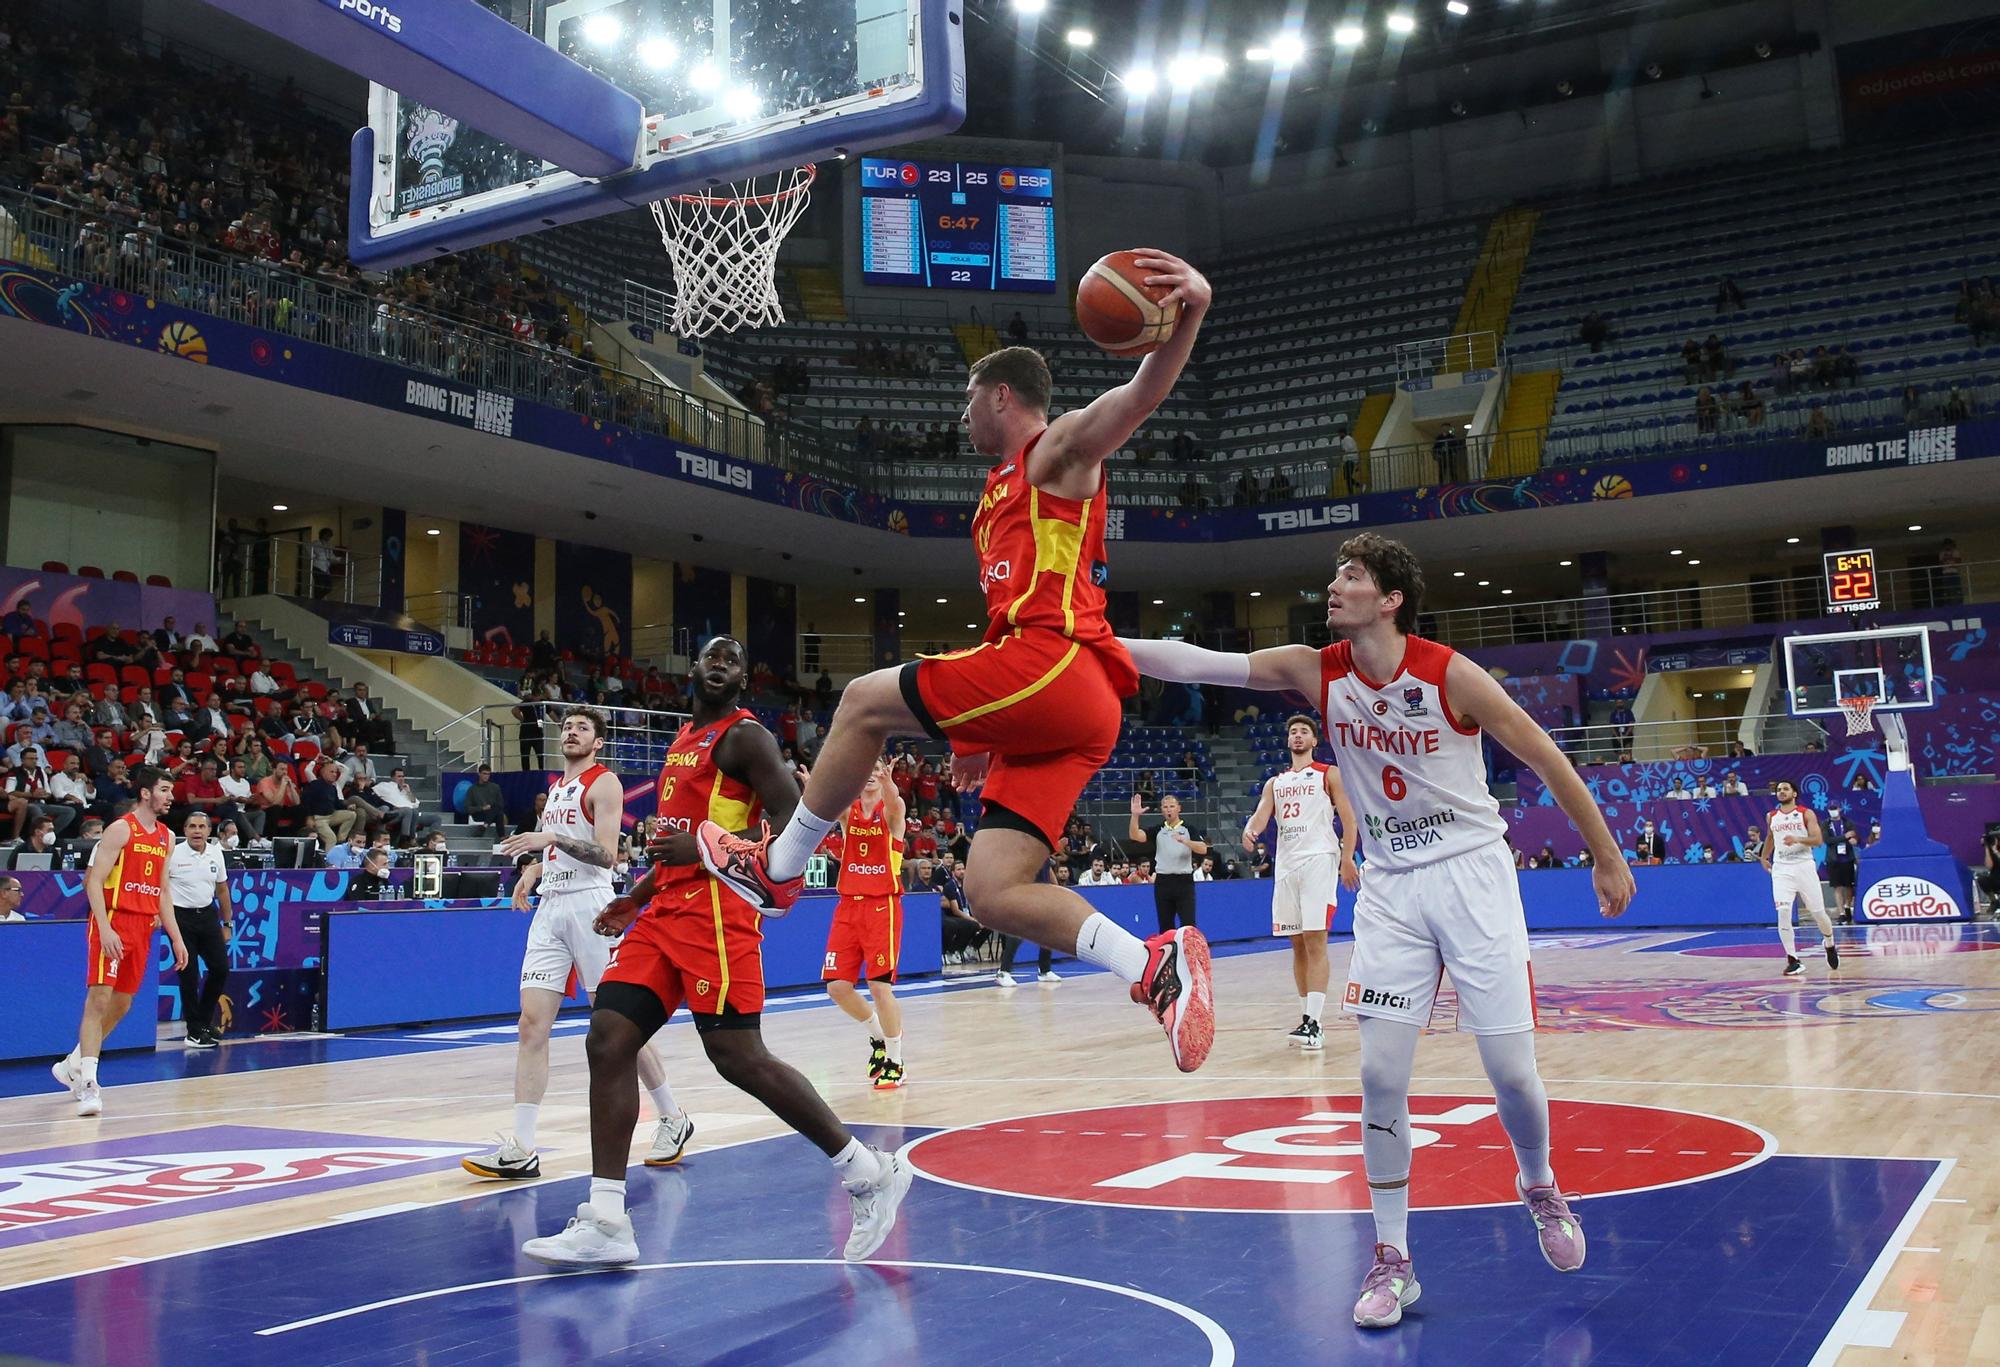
(1773, 1170)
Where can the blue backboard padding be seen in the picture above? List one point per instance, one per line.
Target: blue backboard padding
(39, 1012)
(940, 109)
(473, 65)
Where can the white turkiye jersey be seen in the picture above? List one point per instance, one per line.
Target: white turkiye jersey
(1414, 772)
(568, 815)
(1789, 823)
(1303, 803)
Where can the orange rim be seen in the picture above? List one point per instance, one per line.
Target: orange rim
(807, 172)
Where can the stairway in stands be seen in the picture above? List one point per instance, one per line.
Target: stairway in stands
(975, 340)
(1531, 400)
(820, 299)
(1496, 279)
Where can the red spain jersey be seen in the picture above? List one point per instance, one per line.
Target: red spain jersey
(872, 858)
(136, 880)
(692, 790)
(1042, 563)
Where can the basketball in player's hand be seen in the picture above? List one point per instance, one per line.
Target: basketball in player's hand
(1119, 311)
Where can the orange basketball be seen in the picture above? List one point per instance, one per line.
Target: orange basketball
(1119, 311)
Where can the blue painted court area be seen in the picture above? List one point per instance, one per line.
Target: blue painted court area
(742, 1266)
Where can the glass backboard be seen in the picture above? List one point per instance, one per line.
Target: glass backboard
(729, 88)
(1891, 665)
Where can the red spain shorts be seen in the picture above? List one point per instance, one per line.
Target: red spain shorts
(1045, 707)
(699, 944)
(866, 939)
(135, 933)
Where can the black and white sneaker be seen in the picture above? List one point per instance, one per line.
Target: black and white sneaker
(1314, 1039)
(1304, 1031)
(1832, 955)
(201, 1039)
(1792, 966)
(510, 1162)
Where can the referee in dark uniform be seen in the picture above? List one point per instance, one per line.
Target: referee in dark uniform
(1175, 848)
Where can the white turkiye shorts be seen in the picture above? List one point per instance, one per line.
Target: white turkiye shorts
(1796, 878)
(560, 938)
(1302, 898)
(1462, 915)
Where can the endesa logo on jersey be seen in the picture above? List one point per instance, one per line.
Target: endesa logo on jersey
(49, 1193)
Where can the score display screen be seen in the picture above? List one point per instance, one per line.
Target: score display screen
(1851, 585)
(958, 225)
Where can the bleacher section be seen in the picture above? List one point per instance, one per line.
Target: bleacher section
(1821, 264)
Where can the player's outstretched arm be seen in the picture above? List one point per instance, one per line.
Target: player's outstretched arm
(1260, 818)
(1477, 697)
(1279, 669)
(1083, 437)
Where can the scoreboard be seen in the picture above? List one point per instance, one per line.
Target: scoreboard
(958, 225)
(1851, 585)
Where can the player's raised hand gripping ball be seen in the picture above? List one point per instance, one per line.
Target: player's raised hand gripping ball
(1129, 302)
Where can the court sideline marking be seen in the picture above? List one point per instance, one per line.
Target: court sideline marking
(1859, 1326)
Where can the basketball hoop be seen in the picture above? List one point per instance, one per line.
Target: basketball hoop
(1858, 710)
(723, 248)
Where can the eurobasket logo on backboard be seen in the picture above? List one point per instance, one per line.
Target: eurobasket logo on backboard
(85, 1187)
(427, 135)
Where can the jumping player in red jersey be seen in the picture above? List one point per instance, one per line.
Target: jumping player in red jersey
(1033, 711)
(866, 937)
(1439, 890)
(128, 870)
(697, 942)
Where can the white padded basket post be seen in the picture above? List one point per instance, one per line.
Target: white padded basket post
(724, 250)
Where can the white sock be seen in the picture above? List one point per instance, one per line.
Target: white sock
(873, 1025)
(795, 844)
(664, 1104)
(86, 1070)
(1315, 1003)
(895, 1046)
(75, 1056)
(1392, 1216)
(857, 1163)
(607, 1198)
(525, 1115)
(1099, 941)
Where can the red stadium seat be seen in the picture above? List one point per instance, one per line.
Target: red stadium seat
(237, 722)
(128, 694)
(282, 671)
(54, 567)
(97, 672)
(33, 647)
(162, 677)
(66, 631)
(223, 667)
(56, 758)
(124, 577)
(89, 572)
(137, 675)
(200, 683)
(159, 581)
(313, 689)
(98, 688)
(305, 751)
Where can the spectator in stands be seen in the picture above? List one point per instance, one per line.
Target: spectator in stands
(1546, 858)
(349, 853)
(365, 719)
(71, 733)
(325, 812)
(371, 883)
(1753, 841)
(277, 797)
(175, 692)
(41, 731)
(325, 555)
(42, 838)
(99, 754)
(529, 713)
(238, 645)
(236, 786)
(1707, 412)
(70, 683)
(211, 723)
(1818, 428)
(1734, 786)
(1245, 492)
(19, 622)
(1281, 488)
(1098, 877)
(73, 787)
(1703, 788)
(1679, 792)
(1017, 329)
(1692, 369)
(110, 712)
(36, 781)
(165, 637)
(1956, 407)
(1350, 460)
(485, 804)
(1913, 403)
(1593, 330)
(199, 789)
(1748, 406)
(1728, 296)
(1190, 492)
(405, 815)
(1652, 845)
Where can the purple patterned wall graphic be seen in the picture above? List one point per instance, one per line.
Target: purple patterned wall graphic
(72, 600)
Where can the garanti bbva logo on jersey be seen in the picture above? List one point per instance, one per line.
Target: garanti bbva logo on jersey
(1411, 833)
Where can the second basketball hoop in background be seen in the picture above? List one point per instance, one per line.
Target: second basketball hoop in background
(1119, 311)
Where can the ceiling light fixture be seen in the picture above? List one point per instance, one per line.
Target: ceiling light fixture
(1916, 526)
(602, 29)
(705, 76)
(1287, 49)
(1458, 7)
(1791, 541)
(1349, 35)
(1484, 582)
(1694, 562)
(281, 507)
(943, 601)
(1256, 593)
(860, 600)
(1565, 563)
(1141, 81)
(658, 52)
(1458, 574)
(1401, 22)
(434, 532)
(1031, 6)
(1079, 37)
(1677, 551)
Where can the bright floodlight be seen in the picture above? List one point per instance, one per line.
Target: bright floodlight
(1257, 54)
(1031, 6)
(1210, 65)
(705, 76)
(1184, 70)
(1399, 22)
(1287, 49)
(658, 53)
(1141, 81)
(1079, 37)
(1458, 7)
(742, 103)
(602, 29)
(1349, 35)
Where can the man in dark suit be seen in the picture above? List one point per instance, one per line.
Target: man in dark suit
(369, 724)
(1651, 846)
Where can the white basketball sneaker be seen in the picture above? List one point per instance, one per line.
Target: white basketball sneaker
(670, 1141)
(1005, 979)
(588, 1240)
(875, 1205)
(61, 1071)
(90, 1100)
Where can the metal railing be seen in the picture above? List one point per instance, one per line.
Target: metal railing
(442, 608)
(294, 567)
(636, 742)
(844, 657)
(1686, 738)
(1454, 355)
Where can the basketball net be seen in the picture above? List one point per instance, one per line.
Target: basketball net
(1858, 710)
(724, 250)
